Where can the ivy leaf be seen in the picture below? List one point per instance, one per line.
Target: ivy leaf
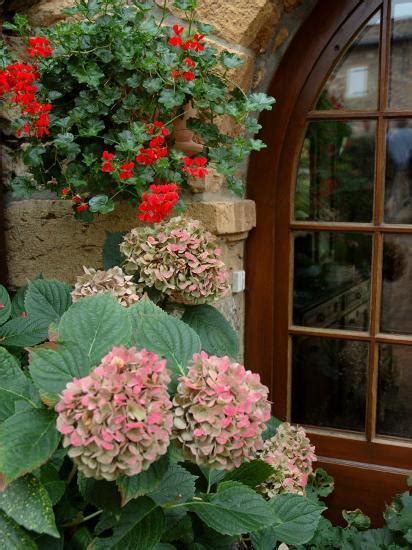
(13, 536)
(216, 334)
(28, 503)
(27, 440)
(140, 525)
(5, 305)
(51, 370)
(132, 487)
(234, 510)
(14, 385)
(96, 324)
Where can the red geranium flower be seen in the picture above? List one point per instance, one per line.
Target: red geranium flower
(195, 166)
(126, 170)
(39, 47)
(188, 75)
(157, 204)
(82, 207)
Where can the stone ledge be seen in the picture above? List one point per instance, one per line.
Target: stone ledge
(43, 237)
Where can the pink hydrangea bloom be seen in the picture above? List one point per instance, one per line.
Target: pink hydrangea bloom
(117, 420)
(289, 451)
(220, 411)
(180, 258)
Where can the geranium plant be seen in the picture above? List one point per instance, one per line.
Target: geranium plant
(103, 97)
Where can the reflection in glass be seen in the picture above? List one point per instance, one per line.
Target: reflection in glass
(394, 391)
(335, 176)
(329, 381)
(400, 96)
(354, 81)
(398, 178)
(332, 280)
(397, 284)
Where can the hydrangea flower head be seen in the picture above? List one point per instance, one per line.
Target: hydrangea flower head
(220, 412)
(117, 420)
(112, 281)
(290, 453)
(179, 258)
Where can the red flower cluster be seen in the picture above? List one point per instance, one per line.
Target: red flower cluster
(157, 204)
(192, 44)
(195, 166)
(126, 170)
(77, 200)
(39, 47)
(157, 146)
(18, 79)
(107, 165)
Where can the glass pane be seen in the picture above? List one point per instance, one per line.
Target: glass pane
(401, 61)
(395, 391)
(354, 81)
(332, 280)
(398, 178)
(336, 172)
(396, 314)
(329, 382)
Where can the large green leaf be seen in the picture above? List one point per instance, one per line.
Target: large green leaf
(295, 521)
(177, 486)
(22, 332)
(50, 479)
(170, 338)
(139, 485)
(96, 324)
(47, 299)
(27, 440)
(5, 305)
(216, 334)
(139, 527)
(13, 537)
(250, 473)
(233, 510)
(100, 493)
(51, 370)
(28, 503)
(14, 385)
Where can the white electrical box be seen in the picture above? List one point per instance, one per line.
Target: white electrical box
(238, 281)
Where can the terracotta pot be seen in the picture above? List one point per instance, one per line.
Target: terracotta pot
(183, 136)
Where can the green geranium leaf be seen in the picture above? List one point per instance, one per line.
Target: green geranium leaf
(259, 101)
(5, 305)
(21, 187)
(185, 5)
(230, 60)
(132, 487)
(27, 440)
(111, 250)
(52, 370)
(96, 324)
(101, 203)
(153, 85)
(14, 385)
(216, 334)
(46, 300)
(171, 98)
(12, 536)
(66, 145)
(234, 510)
(139, 526)
(357, 519)
(28, 503)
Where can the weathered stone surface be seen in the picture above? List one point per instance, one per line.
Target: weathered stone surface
(242, 76)
(43, 237)
(47, 12)
(290, 4)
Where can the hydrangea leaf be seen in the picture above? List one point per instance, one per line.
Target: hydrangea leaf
(251, 473)
(100, 493)
(96, 324)
(13, 536)
(5, 305)
(49, 478)
(23, 332)
(216, 334)
(170, 338)
(14, 385)
(295, 521)
(27, 440)
(178, 486)
(140, 525)
(132, 487)
(234, 510)
(52, 370)
(47, 299)
(28, 503)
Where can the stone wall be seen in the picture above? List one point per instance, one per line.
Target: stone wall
(42, 236)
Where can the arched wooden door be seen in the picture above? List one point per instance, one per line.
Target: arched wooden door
(329, 300)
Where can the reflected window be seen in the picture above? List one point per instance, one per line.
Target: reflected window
(357, 82)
